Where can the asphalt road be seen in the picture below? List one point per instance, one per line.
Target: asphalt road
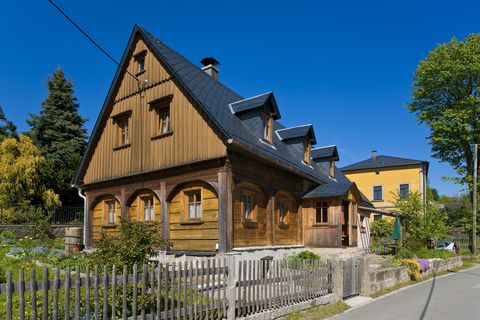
(456, 296)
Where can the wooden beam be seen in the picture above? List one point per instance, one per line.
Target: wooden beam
(164, 211)
(222, 210)
(87, 224)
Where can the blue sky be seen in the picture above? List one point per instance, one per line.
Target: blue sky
(345, 66)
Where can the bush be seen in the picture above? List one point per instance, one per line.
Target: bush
(413, 268)
(404, 253)
(433, 254)
(297, 260)
(382, 229)
(136, 242)
(8, 237)
(39, 225)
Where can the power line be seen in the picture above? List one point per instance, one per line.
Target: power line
(89, 37)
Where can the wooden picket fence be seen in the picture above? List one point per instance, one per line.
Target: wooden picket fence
(201, 289)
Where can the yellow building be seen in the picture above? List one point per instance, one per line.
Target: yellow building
(381, 178)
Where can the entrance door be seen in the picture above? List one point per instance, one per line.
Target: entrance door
(345, 223)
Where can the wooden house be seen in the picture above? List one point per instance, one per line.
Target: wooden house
(172, 144)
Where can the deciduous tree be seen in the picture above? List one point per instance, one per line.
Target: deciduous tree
(20, 179)
(446, 97)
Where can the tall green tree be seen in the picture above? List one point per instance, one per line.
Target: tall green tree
(59, 132)
(7, 129)
(446, 97)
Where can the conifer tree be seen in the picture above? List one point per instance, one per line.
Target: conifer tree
(59, 132)
(7, 129)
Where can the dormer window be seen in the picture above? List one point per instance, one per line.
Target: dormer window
(267, 124)
(307, 152)
(140, 61)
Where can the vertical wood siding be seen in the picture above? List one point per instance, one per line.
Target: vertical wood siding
(98, 223)
(135, 208)
(287, 234)
(187, 236)
(246, 236)
(192, 140)
(325, 235)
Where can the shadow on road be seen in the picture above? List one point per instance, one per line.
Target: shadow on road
(424, 312)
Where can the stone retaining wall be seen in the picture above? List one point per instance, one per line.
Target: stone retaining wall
(385, 278)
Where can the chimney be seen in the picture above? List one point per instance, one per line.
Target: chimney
(210, 66)
(374, 154)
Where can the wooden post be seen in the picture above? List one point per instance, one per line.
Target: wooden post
(222, 211)
(123, 204)
(231, 288)
(164, 211)
(270, 218)
(87, 224)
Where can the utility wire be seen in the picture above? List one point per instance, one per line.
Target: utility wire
(89, 37)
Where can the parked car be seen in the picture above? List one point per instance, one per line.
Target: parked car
(447, 245)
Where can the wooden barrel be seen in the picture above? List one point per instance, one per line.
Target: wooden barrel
(73, 238)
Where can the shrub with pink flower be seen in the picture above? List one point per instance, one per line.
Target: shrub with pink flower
(424, 264)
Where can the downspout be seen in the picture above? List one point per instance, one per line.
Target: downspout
(85, 213)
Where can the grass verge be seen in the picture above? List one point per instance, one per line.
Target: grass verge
(322, 312)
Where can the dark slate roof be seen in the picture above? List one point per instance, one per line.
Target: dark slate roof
(256, 102)
(297, 132)
(325, 152)
(334, 187)
(383, 162)
(213, 99)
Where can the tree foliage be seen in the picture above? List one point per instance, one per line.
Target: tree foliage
(417, 226)
(382, 229)
(136, 242)
(58, 131)
(20, 178)
(446, 97)
(7, 129)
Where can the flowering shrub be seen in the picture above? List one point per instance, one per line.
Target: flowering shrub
(413, 268)
(424, 264)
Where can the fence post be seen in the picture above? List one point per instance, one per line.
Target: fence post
(231, 288)
(364, 276)
(337, 280)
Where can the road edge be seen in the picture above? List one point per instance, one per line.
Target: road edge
(401, 289)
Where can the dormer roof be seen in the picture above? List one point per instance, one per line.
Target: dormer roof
(264, 100)
(297, 132)
(327, 152)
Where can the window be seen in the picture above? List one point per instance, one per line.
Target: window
(377, 217)
(267, 123)
(141, 64)
(124, 134)
(307, 152)
(194, 199)
(162, 119)
(377, 193)
(282, 212)
(248, 206)
(122, 122)
(140, 61)
(148, 208)
(111, 208)
(321, 212)
(404, 189)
